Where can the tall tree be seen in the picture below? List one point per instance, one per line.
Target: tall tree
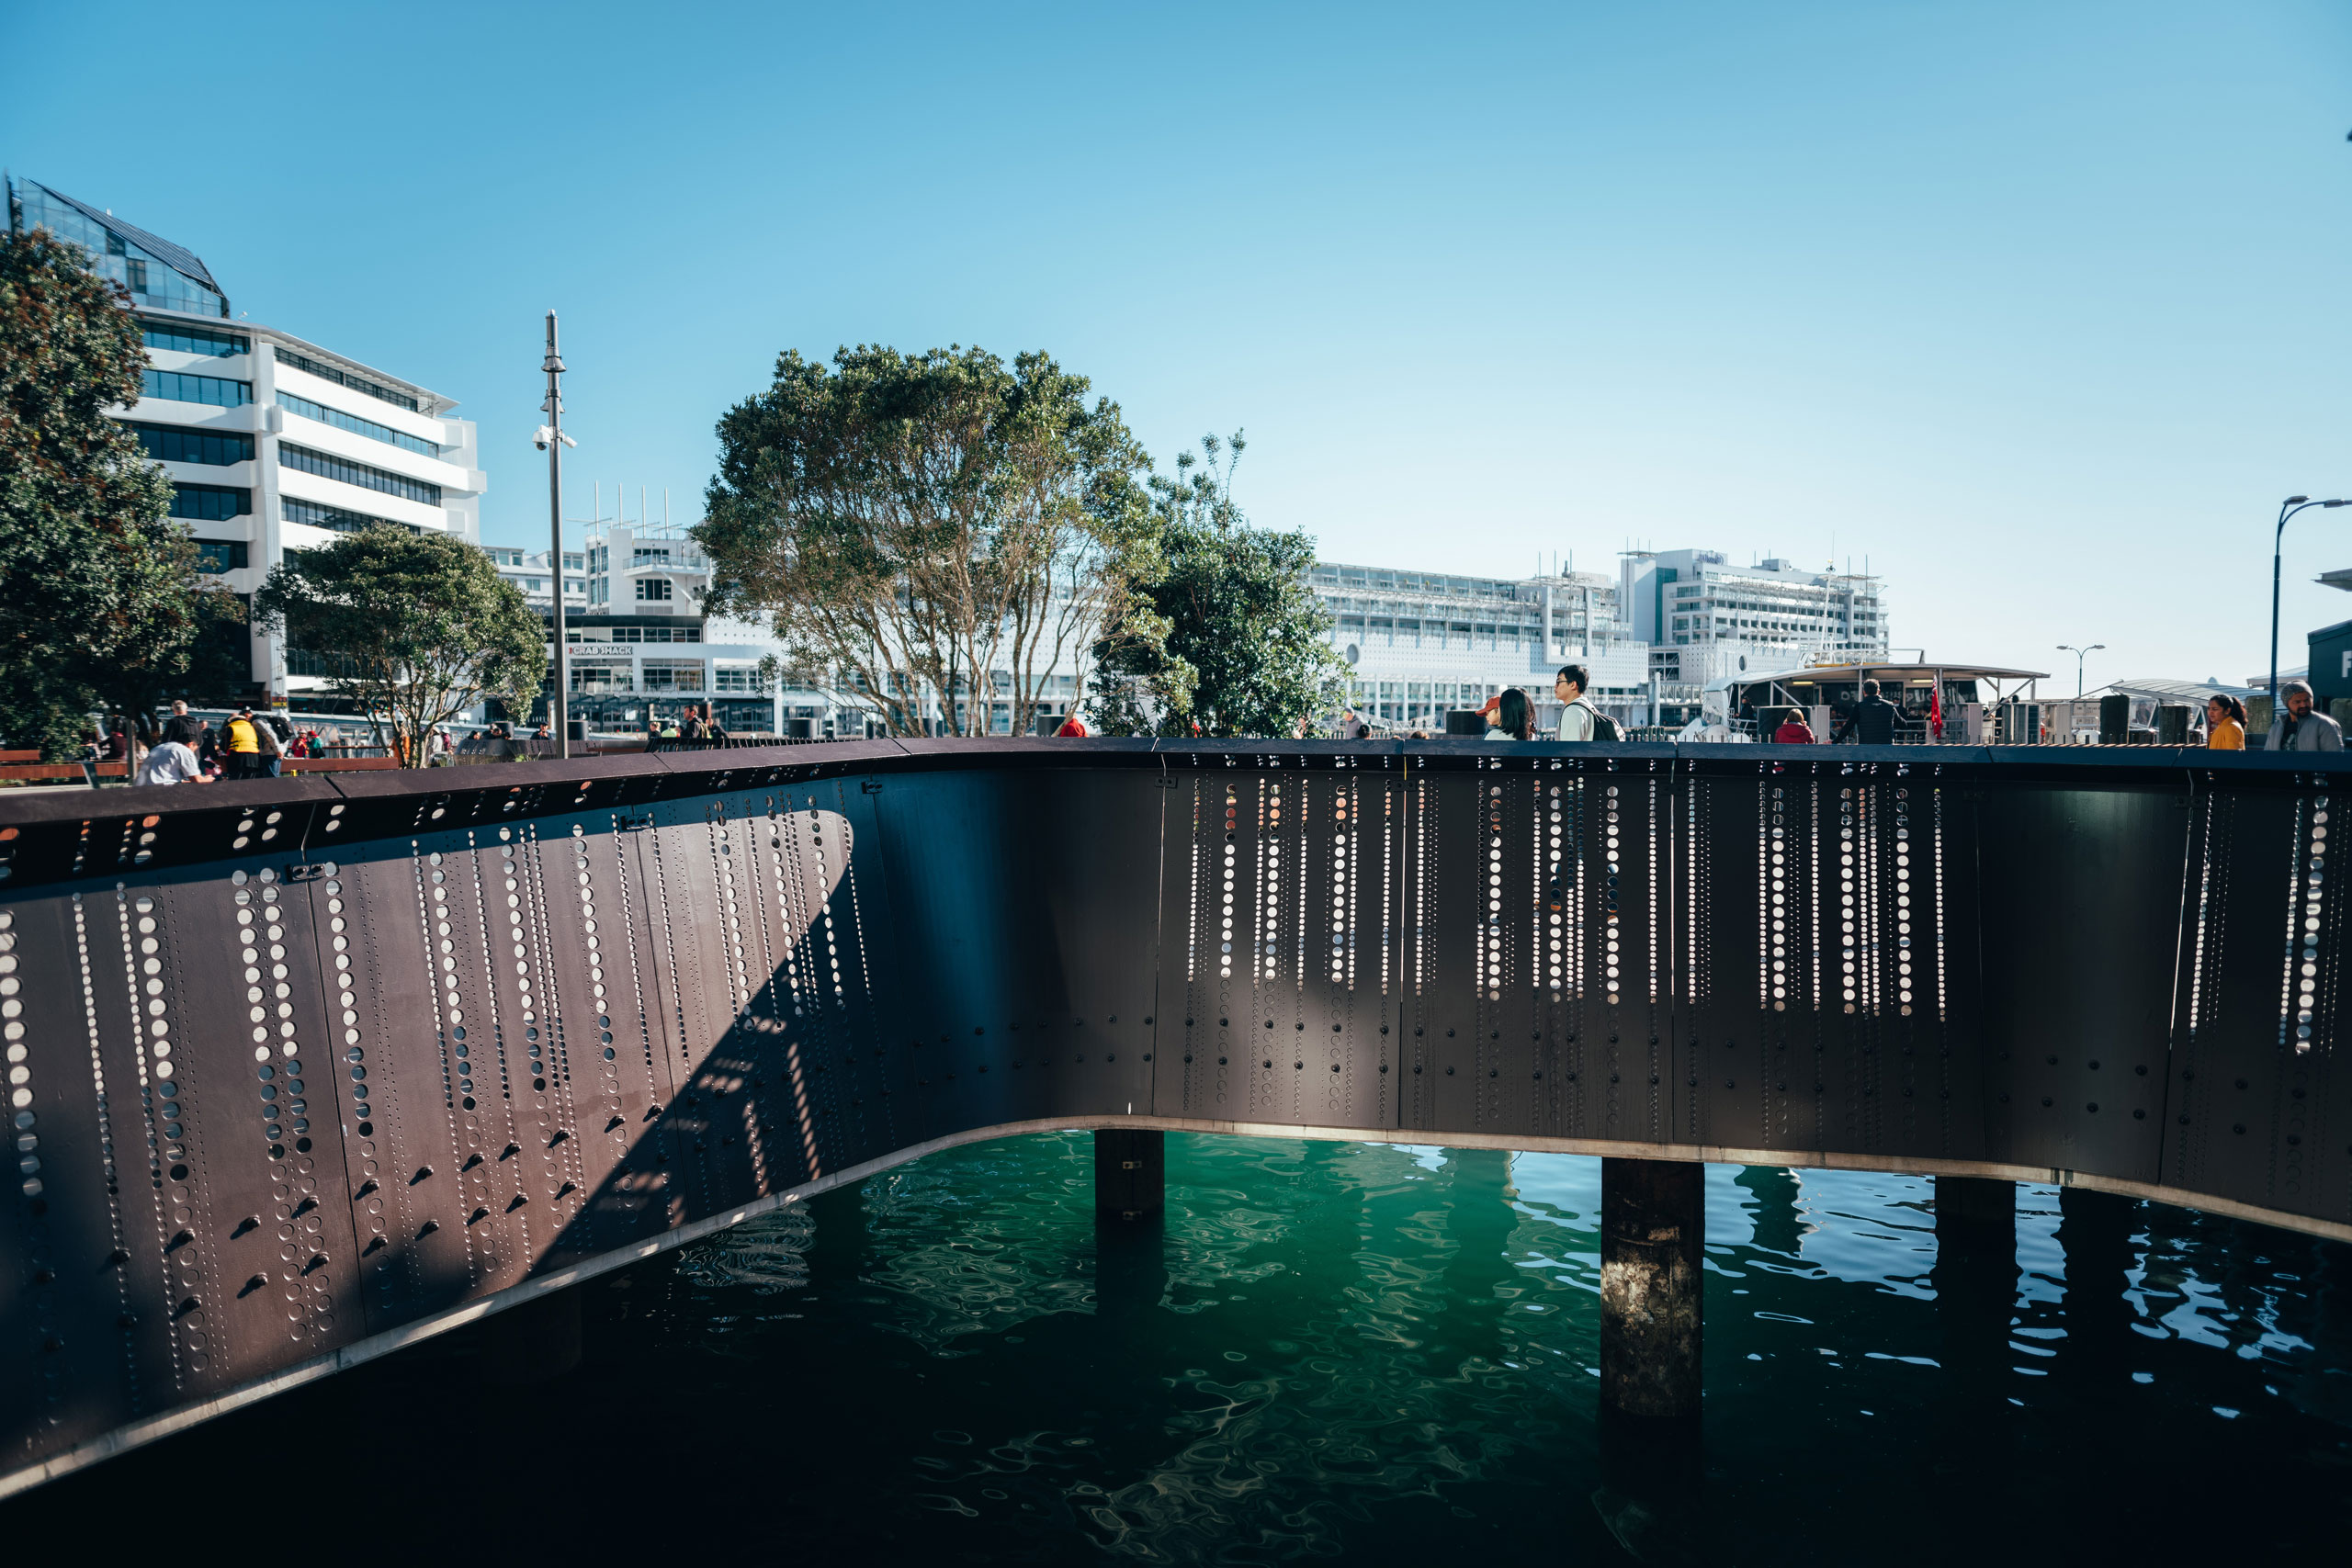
(414, 628)
(95, 576)
(1238, 645)
(929, 535)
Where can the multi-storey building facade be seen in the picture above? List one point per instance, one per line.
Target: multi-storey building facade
(1706, 619)
(637, 642)
(272, 443)
(1421, 644)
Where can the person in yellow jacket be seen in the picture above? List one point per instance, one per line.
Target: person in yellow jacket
(245, 745)
(2225, 724)
(254, 747)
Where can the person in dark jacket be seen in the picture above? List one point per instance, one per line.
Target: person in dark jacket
(1872, 722)
(183, 726)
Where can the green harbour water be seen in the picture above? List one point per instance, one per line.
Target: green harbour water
(1359, 1352)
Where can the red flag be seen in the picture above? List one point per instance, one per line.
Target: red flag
(1936, 711)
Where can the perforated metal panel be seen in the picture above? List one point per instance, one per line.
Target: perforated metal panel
(293, 1064)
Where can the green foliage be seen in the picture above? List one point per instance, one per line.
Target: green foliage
(415, 627)
(101, 601)
(906, 520)
(1236, 645)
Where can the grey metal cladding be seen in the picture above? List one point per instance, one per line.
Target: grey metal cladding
(294, 1063)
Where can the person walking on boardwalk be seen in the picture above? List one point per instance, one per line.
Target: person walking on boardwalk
(1872, 721)
(2225, 724)
(1514, 717)
(2305, 728)
(1576, 714)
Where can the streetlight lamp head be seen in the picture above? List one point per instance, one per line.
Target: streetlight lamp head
(2295, 500)
(2336, 504)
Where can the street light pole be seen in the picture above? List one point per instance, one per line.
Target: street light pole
(2287, 509)
(2080, 654)
(553, 407)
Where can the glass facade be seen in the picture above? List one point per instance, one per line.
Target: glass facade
(181, 388)
(577, 633)
(222, 555)
(357, 426)
(194, 339)
(175, 443)
(360, 474)
(314, 514)
(285, 356)
(156, 271)
(673, 675)
(600, 675)
(211, 503)
(652, 587)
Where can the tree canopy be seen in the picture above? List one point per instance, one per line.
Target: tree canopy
(929, 535)
(1240, 647)
(101, 598)
(413, 627)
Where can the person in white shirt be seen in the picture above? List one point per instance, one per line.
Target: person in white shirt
(171, 762)
(1576, 718)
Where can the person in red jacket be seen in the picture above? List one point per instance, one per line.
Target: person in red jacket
(1793, 731)
(1072, 728)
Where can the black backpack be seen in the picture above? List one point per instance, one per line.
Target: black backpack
(1603, 727)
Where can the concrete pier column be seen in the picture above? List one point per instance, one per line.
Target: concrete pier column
(1653, 1223)
(1976, 1212)
(1976, 1280)
(1130, 1173)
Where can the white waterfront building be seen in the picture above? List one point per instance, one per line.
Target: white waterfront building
(637, 644)
(272, 441)
(1706, 619)
(1419, 644)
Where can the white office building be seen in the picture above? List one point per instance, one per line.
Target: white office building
(1419, 644)
(272, 441)
(1706, 619)
(637, 643)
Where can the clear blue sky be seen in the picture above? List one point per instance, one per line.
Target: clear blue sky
(2040, 307)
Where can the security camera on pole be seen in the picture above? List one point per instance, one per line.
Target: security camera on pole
(551, 440)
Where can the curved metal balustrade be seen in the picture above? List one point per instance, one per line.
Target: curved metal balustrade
(300, 1070)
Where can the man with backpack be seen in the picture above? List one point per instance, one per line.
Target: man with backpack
(1579, 720)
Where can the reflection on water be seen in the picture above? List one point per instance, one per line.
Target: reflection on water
(1377, 1352)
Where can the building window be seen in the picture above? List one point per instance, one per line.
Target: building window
(357, 426)
(181, 388)
(599, 677)
(194, 339)
(175, 443)
(161, 273)
(360, 474)
(652, 587)
(221, 555)
(210, 503)
(285, 356)
(311, 514)
(738, 678)
(673, 675)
